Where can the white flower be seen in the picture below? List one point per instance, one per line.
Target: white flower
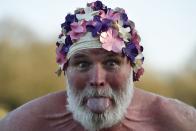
(139, 56)
(138, 62)
(124, 32)
(89, 14)
(61, 66)
(61, 40)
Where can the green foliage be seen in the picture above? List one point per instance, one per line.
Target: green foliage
(27, 72)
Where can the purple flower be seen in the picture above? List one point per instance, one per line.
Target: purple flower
(67, 45)
(77, 30)
(68, 40)
(71, 18)
(96, 29)
(62, 49)
(65, 48)
(98, 26)
(130, 24)
(66, 26)
(96, 18)
(94, 26)
(68, 20)
(60, 57)
(98, 5)
(130, 51)
(105, 9)
(124, 17)
(89, 27)
(106, 23)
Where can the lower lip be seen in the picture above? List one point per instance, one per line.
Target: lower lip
(98, 104)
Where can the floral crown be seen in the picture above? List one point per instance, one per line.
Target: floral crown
(112, 28)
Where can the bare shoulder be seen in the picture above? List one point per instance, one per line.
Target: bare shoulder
(32, 114)
(159, 99)
(45, 103)
(162, 103)
(169, 112)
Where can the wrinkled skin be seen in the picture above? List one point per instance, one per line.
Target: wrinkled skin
(97, 68)
(100, 87)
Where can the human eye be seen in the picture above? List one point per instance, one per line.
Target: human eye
(112, 64)
(82, 65)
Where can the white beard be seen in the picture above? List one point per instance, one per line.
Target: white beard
(92, 121)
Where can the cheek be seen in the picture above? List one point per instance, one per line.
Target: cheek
(76, 80)
(119, 79)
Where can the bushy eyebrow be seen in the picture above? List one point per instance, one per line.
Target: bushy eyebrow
(112, 55)
(79, 56)
(84, 55)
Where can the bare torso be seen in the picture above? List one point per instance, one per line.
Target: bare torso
(147, 112)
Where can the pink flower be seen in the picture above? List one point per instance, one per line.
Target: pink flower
(60, 57)
(110, 15)
(77, 30)
(135, 37)
(111, 41)
(137, 74)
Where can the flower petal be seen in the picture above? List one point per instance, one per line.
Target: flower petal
(107, 47)
(118, 45)
(111, 41)
(89, 14)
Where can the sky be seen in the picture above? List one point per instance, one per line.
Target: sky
(167, 27)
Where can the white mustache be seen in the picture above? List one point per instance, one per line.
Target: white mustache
(120, 99)
(95, 92)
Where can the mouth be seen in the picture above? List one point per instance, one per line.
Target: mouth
(98, 104)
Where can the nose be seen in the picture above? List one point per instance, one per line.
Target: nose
(97, 76)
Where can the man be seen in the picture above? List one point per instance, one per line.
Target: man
(100, 53)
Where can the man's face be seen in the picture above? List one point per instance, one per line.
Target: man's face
(99, 87)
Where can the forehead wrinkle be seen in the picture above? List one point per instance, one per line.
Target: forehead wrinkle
(86, 53)
(113, 56)
(79, 55)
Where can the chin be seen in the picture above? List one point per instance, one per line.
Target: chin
(95, 121)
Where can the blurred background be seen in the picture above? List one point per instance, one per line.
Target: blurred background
(29, 29)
